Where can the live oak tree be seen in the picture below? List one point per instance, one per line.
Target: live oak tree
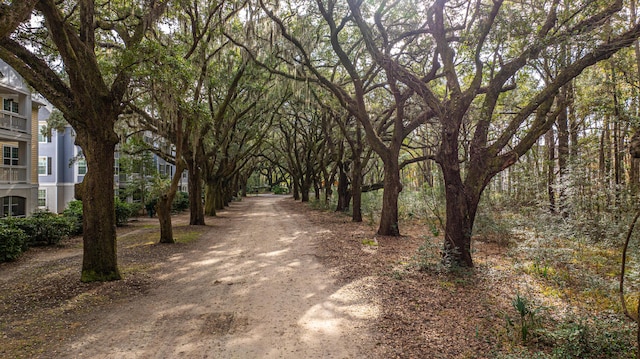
(171, 100)
(461, 60)
(97, 48)
(193, 37)
(447, 65)
(241, 111)
(346, 153)
(353, 167)
(339, 63)
(159, 118)
(301, 141)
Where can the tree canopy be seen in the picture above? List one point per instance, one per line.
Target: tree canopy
(333, 94)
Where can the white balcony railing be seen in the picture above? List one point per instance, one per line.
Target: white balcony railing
(13, 121)
(13, 174)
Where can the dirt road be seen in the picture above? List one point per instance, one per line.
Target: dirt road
(251, 287)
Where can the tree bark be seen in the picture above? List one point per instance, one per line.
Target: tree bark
(163, 209)
(196, 210)
(563, 151)
(617, 141)
(461, 211)
(460, 205)
(209, 200)
(344, 195)
(165, 200)
(392, 188)
(316, 190)
(296, 188)
(357, 148)
(329, 178)
(603, 151)
(356, 189)
(99, 262)
(551, 166)
(305, 188)
(13, 14)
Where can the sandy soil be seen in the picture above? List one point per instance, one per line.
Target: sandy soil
(251, 287)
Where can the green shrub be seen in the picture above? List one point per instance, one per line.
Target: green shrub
(123, 212)
(490, 226)
(180, 202)
(73, 214)
(42, 228)
(279, 190)
(428, 257)
(13, 242)
(593, 338)
(150, 206)
(136, 208)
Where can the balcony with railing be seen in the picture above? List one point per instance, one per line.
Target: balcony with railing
(13, 174)
(12, 121)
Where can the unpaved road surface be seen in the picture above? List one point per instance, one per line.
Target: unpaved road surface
(251, 287)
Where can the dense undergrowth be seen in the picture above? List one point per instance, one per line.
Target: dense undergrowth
(565, 269)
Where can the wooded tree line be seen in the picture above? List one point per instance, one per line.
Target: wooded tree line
(534, 100)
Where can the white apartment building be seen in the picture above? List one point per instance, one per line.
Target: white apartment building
(18, 126)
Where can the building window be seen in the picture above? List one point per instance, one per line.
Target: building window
(42, 198)
(82, 166)
(44, 165)
(10, 105)
(13, 206)
(10, 156)
(165, 170)
(43, 137)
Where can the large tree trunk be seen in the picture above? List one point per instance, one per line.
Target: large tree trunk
(344, 195)
(243, 185)
(603, 151)
(163, 208)
(305, 188)
(392, 188)
(196, 215)
(296, 188)
(461, 204)
(461, 212)
(99, 262)
(328, 186)
(563, 150)
(316, 190)
(164, 205)
(356, 189)
(551, 165)
(210, 199)
(617, 141)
